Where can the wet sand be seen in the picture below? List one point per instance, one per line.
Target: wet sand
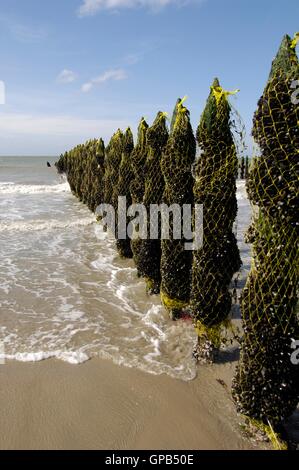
(99, 405)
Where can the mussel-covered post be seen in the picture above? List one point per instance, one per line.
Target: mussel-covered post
(84, 169)
(176, 164)
(215, 188)
(246, 168)
(113, 157)
(150, 249)
(138, 162)
(98, 172)
(174, 115)
(242, 168)
(266, 386)
(122, 189)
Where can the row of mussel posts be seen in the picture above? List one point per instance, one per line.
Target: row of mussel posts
(161, 168)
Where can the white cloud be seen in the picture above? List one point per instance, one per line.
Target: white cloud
(66, 76)
(112, 74)
(91, 7)
(86, 87)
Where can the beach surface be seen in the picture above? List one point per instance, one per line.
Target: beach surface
(91, 361)
(99, 405)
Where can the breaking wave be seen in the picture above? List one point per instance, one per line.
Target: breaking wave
(12, 188)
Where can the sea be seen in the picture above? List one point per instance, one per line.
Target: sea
(64, 291)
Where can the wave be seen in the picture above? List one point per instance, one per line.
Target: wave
(12, 188)
(147, 363)
(241, 190)
(36, 225)
(72, 357)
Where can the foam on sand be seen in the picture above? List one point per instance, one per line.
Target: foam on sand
(72, 357)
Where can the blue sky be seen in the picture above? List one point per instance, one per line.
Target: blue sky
(77, 69)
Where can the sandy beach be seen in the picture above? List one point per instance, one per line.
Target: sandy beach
(78, 300)
(98, 405)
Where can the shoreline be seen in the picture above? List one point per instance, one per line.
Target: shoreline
(99, 405)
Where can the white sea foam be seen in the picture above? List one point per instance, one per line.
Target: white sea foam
(76, 357)
(241, 190)
(76, 299)
(37, 225)
(72, 357)
(150, 319)
(12, 188)
(104, 262)
(151, 357)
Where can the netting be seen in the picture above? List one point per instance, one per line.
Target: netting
(176, 164)
(138, 161)
(266, 386)
(149, 252)
(93, 155)
(123, 189)
(174, 114)
(243, 168)
(98, 171)
(112, 161)
(84, 168)
(215, 187)
(247, 166)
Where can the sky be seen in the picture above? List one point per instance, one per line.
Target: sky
(79, 69)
